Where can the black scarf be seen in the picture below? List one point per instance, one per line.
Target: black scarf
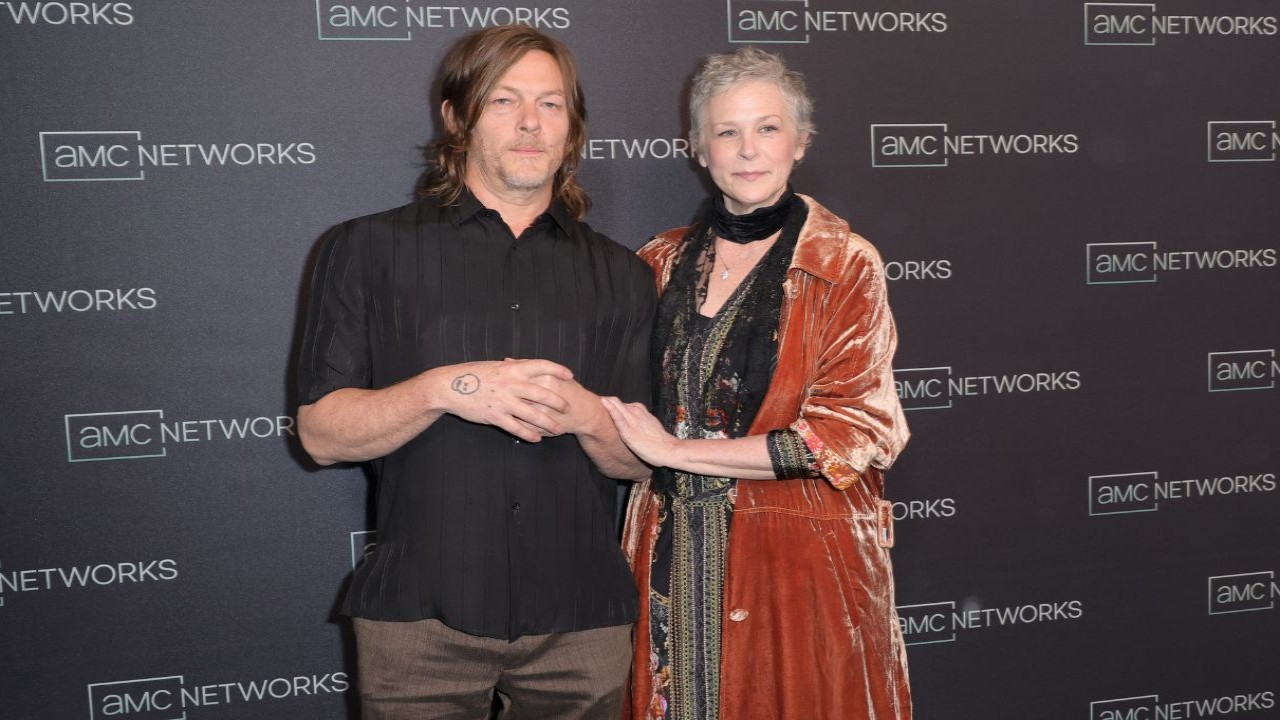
(755, 225)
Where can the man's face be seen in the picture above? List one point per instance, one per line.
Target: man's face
(518, 142)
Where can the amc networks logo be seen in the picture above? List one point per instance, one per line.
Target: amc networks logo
(397, 20)
(935, 388)
(1126, 263)
(1137, 492)
(943, 622)
(1139, 24)
(99, 155)
(933, 145)
(794, 21)
(136, 434)
(1151, 707)
(170, 697)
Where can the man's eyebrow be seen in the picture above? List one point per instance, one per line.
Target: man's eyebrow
(516, 91)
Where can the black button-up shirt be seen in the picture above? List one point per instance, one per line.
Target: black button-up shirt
(489, 535)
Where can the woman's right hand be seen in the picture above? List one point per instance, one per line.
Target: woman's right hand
(642, 432)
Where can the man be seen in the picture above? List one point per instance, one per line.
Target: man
(497, 567)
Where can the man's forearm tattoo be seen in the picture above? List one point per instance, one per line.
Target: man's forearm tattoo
(465, 384)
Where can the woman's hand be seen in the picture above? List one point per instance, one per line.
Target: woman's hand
(642, 432)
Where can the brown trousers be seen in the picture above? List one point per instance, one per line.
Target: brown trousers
(423, 669)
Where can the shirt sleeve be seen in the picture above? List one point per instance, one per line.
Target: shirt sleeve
(633, 379)
(335, 342)
(851, 417)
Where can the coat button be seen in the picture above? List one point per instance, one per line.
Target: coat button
(738, 615)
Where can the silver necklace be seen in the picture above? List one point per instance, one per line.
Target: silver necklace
(724, 274)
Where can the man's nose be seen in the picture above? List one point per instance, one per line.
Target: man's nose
(529, 120)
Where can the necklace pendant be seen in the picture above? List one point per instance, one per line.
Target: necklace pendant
(724, 274)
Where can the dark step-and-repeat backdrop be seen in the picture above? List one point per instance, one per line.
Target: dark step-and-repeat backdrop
(1077, 203)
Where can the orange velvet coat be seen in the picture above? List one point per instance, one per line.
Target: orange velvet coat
(809, 629)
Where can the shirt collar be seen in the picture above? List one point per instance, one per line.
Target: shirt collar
(469, 205)
(823, 247)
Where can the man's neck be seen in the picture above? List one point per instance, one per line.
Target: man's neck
(518, 209)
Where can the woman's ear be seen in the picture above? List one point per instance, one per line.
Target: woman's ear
(802, 145)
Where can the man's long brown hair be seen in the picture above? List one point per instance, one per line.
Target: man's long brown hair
(469, 72)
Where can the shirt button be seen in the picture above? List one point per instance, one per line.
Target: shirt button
(738, 615)
(515, 441)
(515, 306)
(515, 507)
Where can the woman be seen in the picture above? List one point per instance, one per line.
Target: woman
(760, 544)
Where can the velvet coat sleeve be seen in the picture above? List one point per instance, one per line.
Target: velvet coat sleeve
(850, 416)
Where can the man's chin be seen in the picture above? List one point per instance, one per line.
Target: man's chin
(527, 183)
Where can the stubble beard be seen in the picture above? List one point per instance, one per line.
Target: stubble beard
(517, 175)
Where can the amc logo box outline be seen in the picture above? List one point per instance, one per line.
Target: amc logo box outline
(1242, 140)
(916, 393)
(1122, 24)
(371, 21)
(1240, 592)
(124, 434)
(1130, 492)
(362, 544)
(1139, 707)
(157, 703)
(914, 141)
(773, 21)
(919, 622)
(1127, 263)
(113, 160)
(1240, 372)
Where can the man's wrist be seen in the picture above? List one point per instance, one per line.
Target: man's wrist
(596, 423)
(431, 391)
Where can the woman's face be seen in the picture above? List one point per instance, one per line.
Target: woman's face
(750, 143)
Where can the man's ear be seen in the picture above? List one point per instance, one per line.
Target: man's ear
(446, 112)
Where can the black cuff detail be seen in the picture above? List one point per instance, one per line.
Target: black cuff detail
(790, 456)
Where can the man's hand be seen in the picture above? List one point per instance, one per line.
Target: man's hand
(518, 396)
(357, 424)
(585, 417)
(582, 412)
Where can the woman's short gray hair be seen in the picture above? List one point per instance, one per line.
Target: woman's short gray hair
(723, 71)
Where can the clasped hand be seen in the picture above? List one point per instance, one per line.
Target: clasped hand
(514, 395)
